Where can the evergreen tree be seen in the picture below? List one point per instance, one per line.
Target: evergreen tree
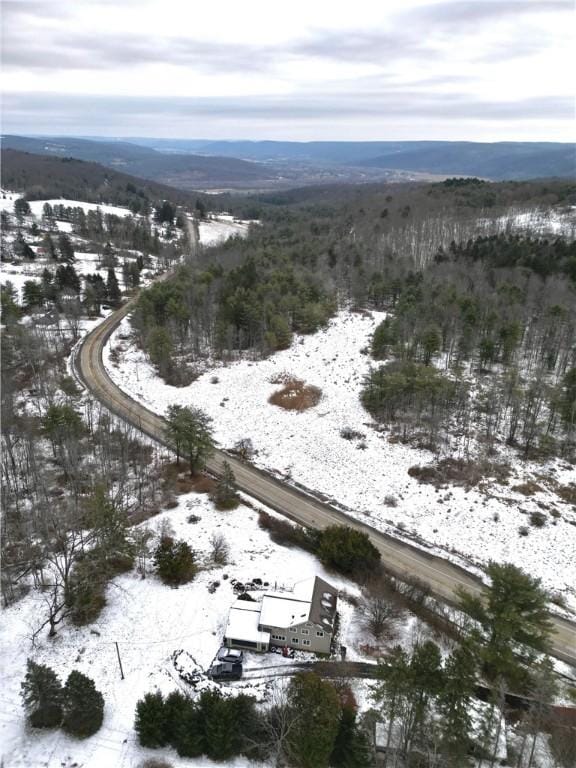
(50, 248)
(21, 248)
(32, 294)
(225, 496)
(160, 348)
(150, 723)
(317, 708)
(42, 696)
(66, 248)
(221, 726)
(391, 692)
(175, 561)
(184, 726)
(352, 746)
(454, 704)
(513, 611)
(189, 431)
(21, 209)
(348, 551)
(83, 706)
(109, 260)
(113, 292)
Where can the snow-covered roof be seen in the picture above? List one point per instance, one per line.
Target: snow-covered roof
(283, 610)
(311, 600)
(243, 621)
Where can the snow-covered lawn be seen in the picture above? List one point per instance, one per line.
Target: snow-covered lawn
(360, 474)
(149, 621)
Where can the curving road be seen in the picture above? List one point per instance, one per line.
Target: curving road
(440, 575)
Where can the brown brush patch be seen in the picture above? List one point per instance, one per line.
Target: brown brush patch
(529, 488)
(567, 493)
(296, 395)
(202, 484)
(459, 472)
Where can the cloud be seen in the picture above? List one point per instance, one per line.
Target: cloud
(408, 104)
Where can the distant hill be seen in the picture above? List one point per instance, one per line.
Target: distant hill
(186, 171)
(497, 161)
(47, 177)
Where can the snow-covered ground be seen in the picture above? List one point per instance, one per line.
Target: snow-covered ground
(218, 228)
(360, 474)
(36, 206)
(149, 621)
(544, 221)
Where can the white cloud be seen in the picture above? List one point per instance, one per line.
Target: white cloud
(490, 58)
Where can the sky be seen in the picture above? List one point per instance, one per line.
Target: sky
(477, 70)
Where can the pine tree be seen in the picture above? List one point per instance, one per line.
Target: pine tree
(113, 292)
(83, 706)
(42, 696)
(189, 431)
(184, 728)
(316, 705)
(225, 496)
(150, 721)
(66, 248)
(512, 611)
(175, 562)
(32, 294)
(454, 704)
(21, 209)
(352, 747)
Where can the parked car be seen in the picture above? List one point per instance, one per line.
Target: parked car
(233, 655)
(224, 670)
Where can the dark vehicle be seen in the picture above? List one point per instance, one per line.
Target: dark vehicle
(230, 654)
(224, 670)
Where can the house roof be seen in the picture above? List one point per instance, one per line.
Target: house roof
(311, 600)
(243, 621)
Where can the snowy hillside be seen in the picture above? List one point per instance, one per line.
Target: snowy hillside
(368, 474)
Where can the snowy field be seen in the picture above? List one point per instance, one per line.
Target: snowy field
(216, 229)
(150, 621)
(360, 474)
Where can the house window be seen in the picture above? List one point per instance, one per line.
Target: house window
(295, 640)
(319, 634)
(305, 642)
(305, 631)
(278, 637)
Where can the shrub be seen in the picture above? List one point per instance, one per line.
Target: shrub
(538, 519)
(348, 551)
(523, 530)
(350, 434)
(220, 550)
(296, 395)
(175, 562)
(83, 706)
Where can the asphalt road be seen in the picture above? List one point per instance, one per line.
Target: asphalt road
(442, 576)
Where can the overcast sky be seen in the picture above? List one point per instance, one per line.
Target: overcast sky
(480, 70)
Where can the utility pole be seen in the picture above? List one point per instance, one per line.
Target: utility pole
(119, 661)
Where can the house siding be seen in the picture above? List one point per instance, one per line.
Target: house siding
(295, 637)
